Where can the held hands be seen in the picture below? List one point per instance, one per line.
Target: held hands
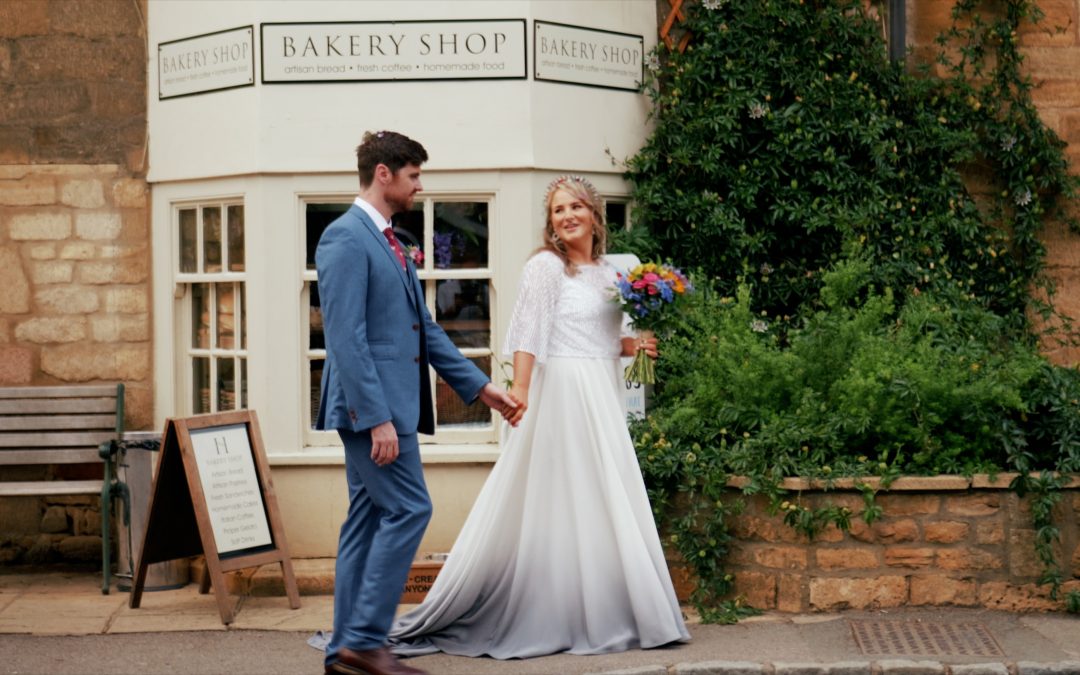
(521, 397)
(502, 402)
(384, 439)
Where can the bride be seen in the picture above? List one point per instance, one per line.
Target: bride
(560, 552)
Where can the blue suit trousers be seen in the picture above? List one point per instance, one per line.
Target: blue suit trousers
(389, 509)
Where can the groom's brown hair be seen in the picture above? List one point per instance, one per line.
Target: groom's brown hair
(386, 147)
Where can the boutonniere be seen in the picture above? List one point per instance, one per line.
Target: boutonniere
(415, 254)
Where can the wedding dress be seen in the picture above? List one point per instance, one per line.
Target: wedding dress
(560, 552)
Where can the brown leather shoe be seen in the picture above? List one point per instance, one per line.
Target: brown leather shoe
(369, 662)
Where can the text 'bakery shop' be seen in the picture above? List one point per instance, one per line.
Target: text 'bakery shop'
(441, 44)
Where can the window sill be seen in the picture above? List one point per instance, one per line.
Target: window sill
(478, 453)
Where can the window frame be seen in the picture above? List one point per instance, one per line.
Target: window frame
(182, 309)
(429, 277)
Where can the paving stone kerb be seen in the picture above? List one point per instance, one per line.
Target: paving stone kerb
(720, 668)
(1034, 668)
(840, 668)
(980, 669)
(942, 541)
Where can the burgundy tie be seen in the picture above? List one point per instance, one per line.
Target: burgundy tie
(389, 232)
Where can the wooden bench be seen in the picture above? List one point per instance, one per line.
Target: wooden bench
(75, 424)
(57, 425)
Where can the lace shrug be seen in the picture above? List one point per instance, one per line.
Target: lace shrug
(560, 315)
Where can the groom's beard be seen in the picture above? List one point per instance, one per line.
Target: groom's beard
(399, 205)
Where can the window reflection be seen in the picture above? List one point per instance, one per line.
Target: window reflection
(200, 378)
(409, 226)
(226, 374)
(316, 339)
(615, 215)
(316, 370)
(200, 316)
(188, 241)
(460, 238)
(317, 218)
(226, 317)
(461, 309)
(452, 411)
(236, 238)
(212, 238)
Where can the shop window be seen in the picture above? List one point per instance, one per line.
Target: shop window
(451, 236)
(211, 312)
(616, 213)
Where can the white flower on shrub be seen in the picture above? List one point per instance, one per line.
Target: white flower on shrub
(712, 4)
(757, 110)
(1023, 198)
(653, 63)
(759, 326)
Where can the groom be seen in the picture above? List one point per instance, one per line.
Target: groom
(376, 392)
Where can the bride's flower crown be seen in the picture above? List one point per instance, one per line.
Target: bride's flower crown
(568, 179)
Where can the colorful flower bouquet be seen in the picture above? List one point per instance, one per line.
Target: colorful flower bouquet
(648, 294)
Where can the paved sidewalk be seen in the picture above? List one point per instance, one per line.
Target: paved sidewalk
(61, 623)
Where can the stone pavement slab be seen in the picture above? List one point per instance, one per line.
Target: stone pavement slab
(181, 609)
(39, 611)
(316, 613)
(59, 613)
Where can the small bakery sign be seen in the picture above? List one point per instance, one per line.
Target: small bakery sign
(211, 62)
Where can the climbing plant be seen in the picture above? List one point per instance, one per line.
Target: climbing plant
(866, 235)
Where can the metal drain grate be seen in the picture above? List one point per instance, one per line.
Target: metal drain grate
(924, 638)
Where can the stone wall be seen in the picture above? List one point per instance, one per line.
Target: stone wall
(74, 233)
(942, 541)
(1051, 51)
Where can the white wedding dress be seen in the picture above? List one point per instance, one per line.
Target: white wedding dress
(560, 552)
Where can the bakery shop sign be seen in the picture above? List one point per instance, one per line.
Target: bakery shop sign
(205, 63)
(483, 49)
(588, 56)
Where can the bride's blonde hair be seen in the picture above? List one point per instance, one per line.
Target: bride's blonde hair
(580, 188)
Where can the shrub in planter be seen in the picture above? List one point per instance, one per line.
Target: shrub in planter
(870, 235)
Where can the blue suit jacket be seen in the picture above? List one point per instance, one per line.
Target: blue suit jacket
(380, 338)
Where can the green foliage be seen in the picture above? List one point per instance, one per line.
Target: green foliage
(926, 387)
(857, 388)
(866, 239)
(783, 133)
(1072, 602)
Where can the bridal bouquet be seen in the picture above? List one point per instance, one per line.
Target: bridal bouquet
(648, 294)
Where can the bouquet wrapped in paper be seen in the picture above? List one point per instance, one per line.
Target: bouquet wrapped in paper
(648, 294)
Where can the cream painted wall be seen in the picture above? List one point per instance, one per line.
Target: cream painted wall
(273, 145)
(290, 128)
(314, 499)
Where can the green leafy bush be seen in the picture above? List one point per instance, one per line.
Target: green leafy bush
(868, 266)
(783, 132)
(926, 387)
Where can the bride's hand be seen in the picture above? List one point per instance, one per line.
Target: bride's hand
(649, 346)
(521, 397)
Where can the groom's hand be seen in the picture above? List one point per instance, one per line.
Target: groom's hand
(500, 401)
(384, 444)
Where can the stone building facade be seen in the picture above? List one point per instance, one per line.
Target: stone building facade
(74, 232)
(75, 262)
